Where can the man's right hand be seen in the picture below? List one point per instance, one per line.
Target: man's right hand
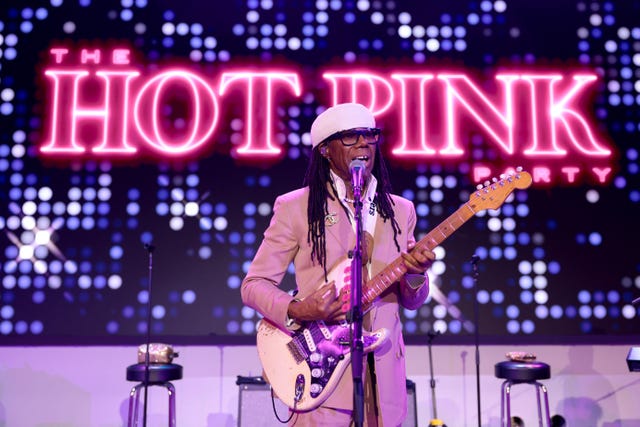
(323, 304)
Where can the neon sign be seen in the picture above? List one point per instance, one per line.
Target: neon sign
(102, 106)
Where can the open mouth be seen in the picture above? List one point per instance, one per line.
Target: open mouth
(363, 158)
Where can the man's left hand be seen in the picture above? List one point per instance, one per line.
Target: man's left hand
(418, 260)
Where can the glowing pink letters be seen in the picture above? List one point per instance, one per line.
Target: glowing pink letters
(100, 105)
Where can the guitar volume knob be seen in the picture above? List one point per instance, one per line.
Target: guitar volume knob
(315, 389)
(317, 373)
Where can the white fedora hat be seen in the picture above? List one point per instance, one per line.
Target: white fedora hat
(338, 118)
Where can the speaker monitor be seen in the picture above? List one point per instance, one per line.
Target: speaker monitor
(633, 359)
(255, 406)
(412, 409)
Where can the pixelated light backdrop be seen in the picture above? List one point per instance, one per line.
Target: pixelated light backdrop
(209, 108)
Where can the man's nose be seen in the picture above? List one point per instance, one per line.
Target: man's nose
(360, 141)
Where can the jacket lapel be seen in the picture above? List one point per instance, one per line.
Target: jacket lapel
(338, 228)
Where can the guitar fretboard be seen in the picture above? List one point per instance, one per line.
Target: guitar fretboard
(394, 271)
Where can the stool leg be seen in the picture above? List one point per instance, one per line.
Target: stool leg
(546, 404)
(134, 402)
(508, 399)
(538, 385)
(547, 414)
(502, 405)
(172, 404)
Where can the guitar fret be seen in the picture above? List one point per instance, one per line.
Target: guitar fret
(455, 223)
(370, 291)
(387, 278)
(373, 290)
(468, 206)
(369, 295)
(377, 287)
(400, 269)
(443, 231)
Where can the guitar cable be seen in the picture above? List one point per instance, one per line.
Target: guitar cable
(275, 411)
(299, 389)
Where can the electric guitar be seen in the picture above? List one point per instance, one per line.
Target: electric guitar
(304, 366)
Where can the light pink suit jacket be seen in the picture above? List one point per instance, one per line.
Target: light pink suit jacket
(285, 241)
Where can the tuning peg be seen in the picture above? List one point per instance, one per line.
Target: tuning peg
(486, 183)
(495, 179)
(519, 169)
(479, 187)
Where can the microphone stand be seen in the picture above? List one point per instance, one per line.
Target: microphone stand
(357, 348)
(474, 264)
(435, 421)
(149, 249)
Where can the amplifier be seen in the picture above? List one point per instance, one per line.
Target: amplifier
(633, 359)
(255, 406)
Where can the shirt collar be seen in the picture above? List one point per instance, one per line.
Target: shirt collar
(341, 188)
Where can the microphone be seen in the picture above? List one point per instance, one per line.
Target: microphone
(357, 168)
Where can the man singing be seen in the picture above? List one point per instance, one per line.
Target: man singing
(314, 227)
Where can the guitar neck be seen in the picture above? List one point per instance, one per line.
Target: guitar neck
(394, 271)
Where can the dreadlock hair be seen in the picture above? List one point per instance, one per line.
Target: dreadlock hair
(317, 177)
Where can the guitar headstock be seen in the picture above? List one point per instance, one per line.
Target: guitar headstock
(492, 195)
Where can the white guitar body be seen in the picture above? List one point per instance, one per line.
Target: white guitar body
(305, 366)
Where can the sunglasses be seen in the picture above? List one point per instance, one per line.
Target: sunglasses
(351, 137)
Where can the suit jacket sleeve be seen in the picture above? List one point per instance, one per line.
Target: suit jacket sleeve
(412, 297)
(260, 287)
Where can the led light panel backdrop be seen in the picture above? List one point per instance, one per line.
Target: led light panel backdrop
(133, 125)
